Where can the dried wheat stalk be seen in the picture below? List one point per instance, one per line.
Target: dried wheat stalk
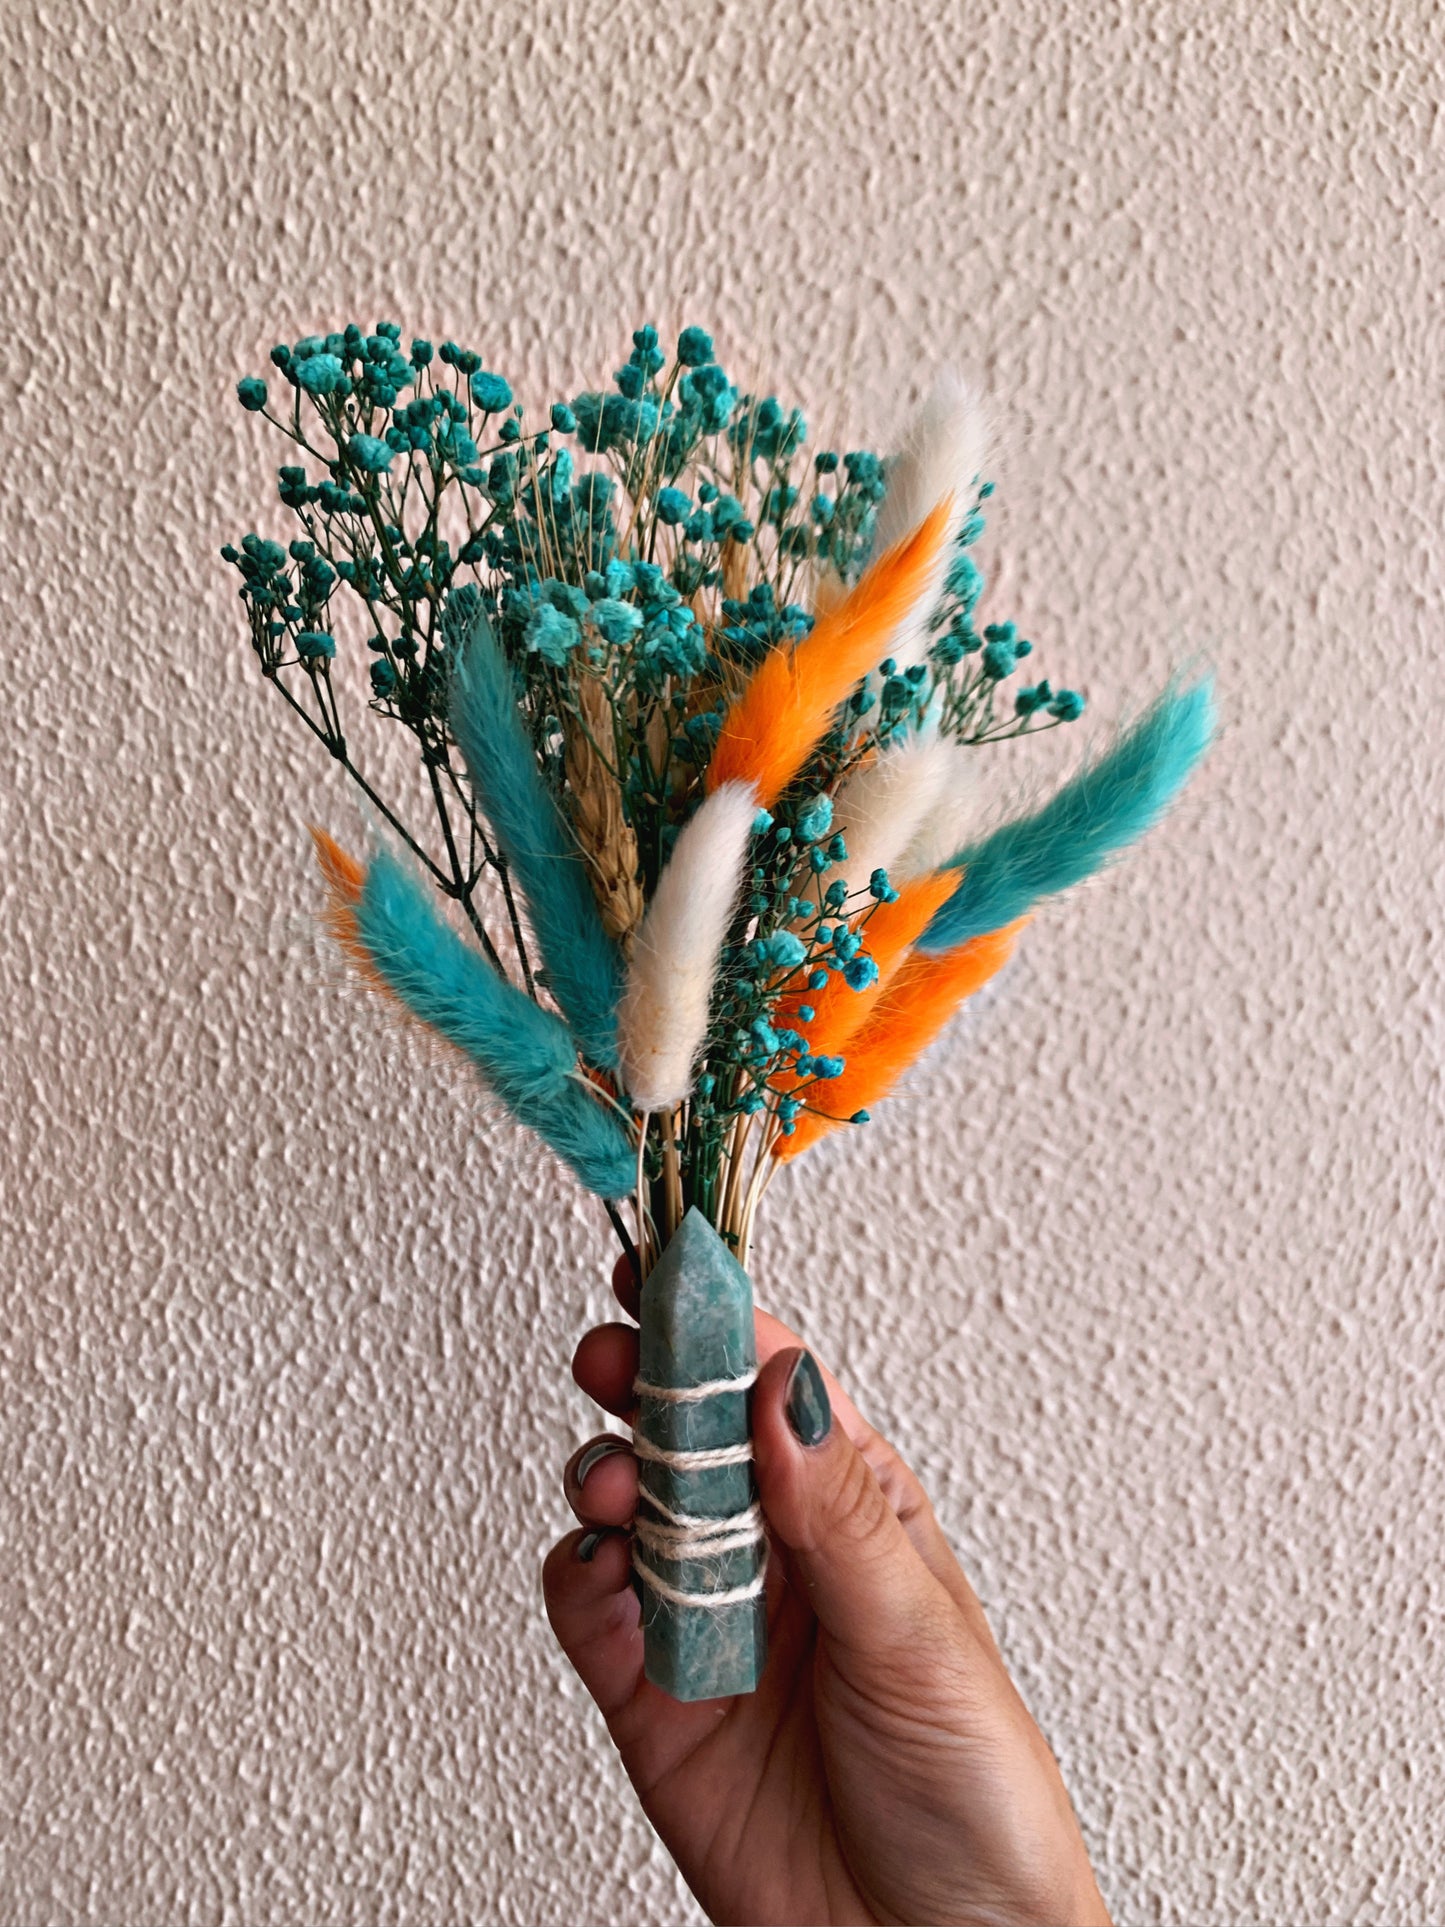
(603, 832)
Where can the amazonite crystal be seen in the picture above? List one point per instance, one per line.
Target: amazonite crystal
(697, 1327)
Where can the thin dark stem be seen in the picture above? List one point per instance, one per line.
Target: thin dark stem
(338, 751)
(458, 886)
(624, 1238)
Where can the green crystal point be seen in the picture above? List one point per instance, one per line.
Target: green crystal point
(697, 1326)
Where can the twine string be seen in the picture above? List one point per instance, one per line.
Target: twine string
(685, 1394)
(693, 1535)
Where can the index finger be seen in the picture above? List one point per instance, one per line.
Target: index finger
(625, 1286)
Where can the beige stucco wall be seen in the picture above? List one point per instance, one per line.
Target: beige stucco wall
(1145, 1275)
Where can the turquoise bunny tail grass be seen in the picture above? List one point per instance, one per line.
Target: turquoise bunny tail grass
(1101, 811)
(525, 1053)
(583, 967)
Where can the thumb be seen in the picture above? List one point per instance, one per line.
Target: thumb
(866, 1583)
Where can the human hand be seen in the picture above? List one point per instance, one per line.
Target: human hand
(886, 1768)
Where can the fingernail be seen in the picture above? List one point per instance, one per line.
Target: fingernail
(587, 1546)
(603, 1449)
(806, 1402)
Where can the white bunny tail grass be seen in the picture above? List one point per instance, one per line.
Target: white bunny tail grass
(662, 1022)
(942, 455)
(885, 805)
(952, 820)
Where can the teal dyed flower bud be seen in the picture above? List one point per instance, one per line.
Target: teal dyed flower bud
(806, 1013)
(421, 352)
(829, 1066)
(964, 580)
(836, 895)
(315, 645)
(861, 972)
(817, 979)
(694, 347)
(1033, 696)
(369, 453)
(825, 461)
(648, 579)
(646, 355)
(880, 888)
(320, 374)
(567, 597)
(787, 950)
(491, 393)
(860, 1117)
(708, 383)
(1068, 706)
(672, 506)
(999, 660)
(762, 822)
(552, 635)
(616, 621)
(383, 680)
(563, 420)
(815, 818)
(865, 473)
(251, 393)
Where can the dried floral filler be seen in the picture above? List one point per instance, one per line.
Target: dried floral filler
(709, 852)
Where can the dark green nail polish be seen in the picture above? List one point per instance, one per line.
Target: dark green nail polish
(587, 1546)
(806, 1402)
(603, 1449)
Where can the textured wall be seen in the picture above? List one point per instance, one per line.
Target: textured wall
(1146, 1276)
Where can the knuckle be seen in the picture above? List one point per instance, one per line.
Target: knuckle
(857, 1509)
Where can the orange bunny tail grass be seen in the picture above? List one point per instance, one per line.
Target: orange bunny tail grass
(771, 728)
(341, 870)
(345, 880)
(888, 934)
(914, 1008)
